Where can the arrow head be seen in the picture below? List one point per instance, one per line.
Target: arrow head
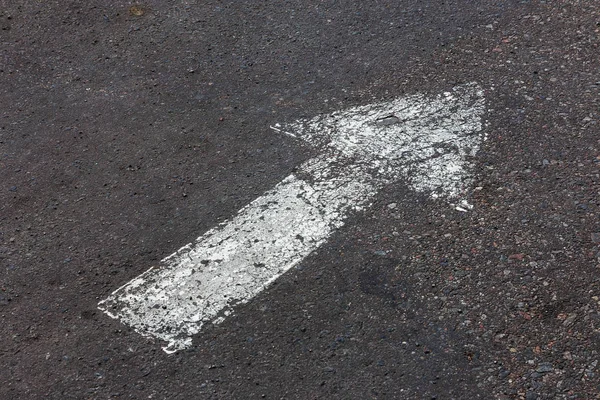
(424, 139)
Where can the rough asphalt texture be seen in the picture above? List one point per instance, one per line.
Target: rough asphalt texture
(125, 132)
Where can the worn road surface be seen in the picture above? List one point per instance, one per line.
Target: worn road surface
(127, 130)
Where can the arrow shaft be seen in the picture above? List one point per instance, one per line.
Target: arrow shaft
(235, 261)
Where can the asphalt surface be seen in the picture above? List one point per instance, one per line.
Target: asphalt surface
(126, 132)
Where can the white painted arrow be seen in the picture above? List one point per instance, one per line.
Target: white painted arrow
(425, 140)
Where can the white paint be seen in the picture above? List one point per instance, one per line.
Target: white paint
(425, 140)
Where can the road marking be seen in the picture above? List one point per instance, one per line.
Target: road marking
(425, 140)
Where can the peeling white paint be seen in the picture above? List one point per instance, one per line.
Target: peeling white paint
(425, 140)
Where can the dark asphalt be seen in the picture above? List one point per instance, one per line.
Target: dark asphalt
(127, 132)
